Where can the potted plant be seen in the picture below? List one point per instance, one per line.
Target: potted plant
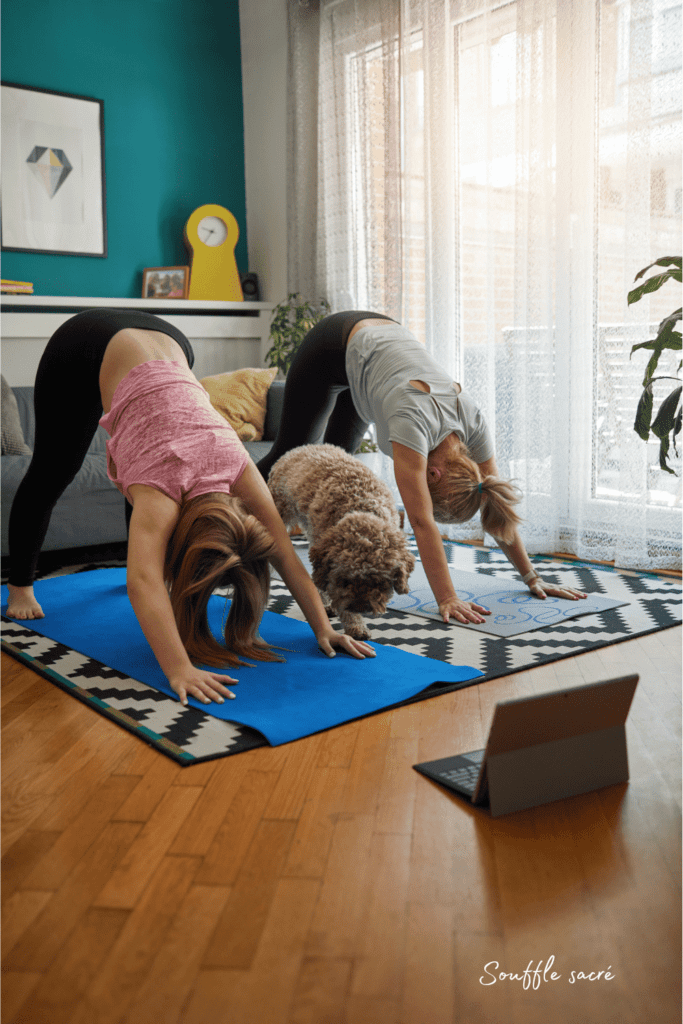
(290, 323)
(667, 423)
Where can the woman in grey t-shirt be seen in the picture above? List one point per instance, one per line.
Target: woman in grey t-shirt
(359, 367)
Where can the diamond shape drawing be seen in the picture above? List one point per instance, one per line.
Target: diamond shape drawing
(50, 166)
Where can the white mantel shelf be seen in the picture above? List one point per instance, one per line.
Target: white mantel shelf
(190, 306)
(224, 335)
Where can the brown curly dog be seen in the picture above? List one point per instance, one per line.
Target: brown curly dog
(358, 551)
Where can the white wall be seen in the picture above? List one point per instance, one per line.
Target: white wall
(263, 37)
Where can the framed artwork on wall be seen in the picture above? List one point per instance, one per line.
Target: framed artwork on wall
(165, 282)
(53, 180)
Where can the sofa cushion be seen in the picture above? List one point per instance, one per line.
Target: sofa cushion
(13, 442)
(241, 398)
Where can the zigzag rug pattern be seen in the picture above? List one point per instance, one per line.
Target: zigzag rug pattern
(190, 736)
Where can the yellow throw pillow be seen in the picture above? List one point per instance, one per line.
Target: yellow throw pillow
(240, 397)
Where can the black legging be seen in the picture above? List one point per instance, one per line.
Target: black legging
(68, 408)
(317, 391)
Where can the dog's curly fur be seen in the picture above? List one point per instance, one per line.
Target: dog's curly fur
(358, 551)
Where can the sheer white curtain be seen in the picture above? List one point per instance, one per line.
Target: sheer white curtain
(493, 175)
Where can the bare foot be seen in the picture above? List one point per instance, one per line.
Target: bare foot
(22, 604)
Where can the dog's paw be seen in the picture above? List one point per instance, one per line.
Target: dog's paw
(354, 625)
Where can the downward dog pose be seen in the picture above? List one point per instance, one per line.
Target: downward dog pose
(200, 514)
(360, 367)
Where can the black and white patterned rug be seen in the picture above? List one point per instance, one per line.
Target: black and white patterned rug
(191, 736)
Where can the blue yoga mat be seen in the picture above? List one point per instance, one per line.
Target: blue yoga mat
(90, 612)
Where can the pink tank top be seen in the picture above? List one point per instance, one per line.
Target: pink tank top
(166, 434)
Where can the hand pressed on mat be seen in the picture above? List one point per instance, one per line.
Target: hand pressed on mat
(462, 611)
(202, 685)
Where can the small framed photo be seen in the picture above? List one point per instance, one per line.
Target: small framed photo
(53, 181)
(165, 282)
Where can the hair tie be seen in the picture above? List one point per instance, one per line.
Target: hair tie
(480, 486)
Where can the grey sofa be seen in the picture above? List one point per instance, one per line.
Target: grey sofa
(91, 510)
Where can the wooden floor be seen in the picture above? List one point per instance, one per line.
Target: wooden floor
(326, 882)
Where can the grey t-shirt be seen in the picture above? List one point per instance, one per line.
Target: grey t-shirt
(380, 363)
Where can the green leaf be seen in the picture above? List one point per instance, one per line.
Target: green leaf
(666, 417)
(667, 338)
(663, 261)
(653, 284)
(671, 319)
(663, 452)
(644, 344)
(644, 415)
(664, 424)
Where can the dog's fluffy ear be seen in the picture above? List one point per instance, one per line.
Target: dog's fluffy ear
(402, 572)
(321, 565)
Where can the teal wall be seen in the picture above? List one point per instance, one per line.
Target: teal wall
(170, 76)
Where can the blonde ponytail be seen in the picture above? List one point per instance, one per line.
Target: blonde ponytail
(461, 493)
(217, 543)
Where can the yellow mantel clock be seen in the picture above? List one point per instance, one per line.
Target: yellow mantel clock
(211, 235)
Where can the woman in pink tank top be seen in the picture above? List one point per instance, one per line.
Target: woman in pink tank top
(202, 514)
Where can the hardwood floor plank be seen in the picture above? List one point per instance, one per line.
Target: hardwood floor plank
(149, 791)
(137, 759)
(75, 965)
(171, 977)
(197, 774)
(113, 990)
(15, 680)
(429, 995)
(396, 787)
(69, 799)
(449, 724)
(380, 968)
(239, 930)
(336, 928)
(213, 997)
(538, 874)
(202, 824)
(19, 913)
(397, 783)
(367, 765)
(337, 746)
(20, 859)
(310, 847)
(223, 861)
(439, 821)
(18, 697)
(29, 795)
(42, 940)
(45, 730)
(372, 1010)
(57, 864)
(17, 987)
(321, 991)
(128, 881)
(245, 996)
(289, 795)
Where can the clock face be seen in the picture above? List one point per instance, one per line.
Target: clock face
(212, 231)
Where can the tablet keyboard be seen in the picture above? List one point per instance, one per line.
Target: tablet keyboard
(464, 777)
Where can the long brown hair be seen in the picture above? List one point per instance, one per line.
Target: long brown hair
(462, 492)
(217, 543)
